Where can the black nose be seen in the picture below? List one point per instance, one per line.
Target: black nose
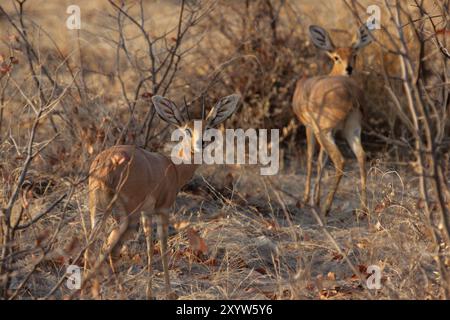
(349, 69)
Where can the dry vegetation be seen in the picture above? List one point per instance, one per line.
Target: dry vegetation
(65, 95)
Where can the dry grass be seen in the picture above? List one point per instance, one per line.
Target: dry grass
(261, 246)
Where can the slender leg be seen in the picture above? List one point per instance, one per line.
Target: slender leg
(118, 236)
(127, 227)
(87, 262)
(163, 235)
(311, 142)
(114, 245)
(86, 267)
(114, 240)
(147, 226)
(326, 141)
(352, 132)
(93, 212)
(320, 164)
(90, 261)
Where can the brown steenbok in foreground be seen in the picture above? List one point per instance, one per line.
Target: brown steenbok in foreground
(325, 104)
(128, 181)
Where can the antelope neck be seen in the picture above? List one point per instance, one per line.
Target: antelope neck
(338, 71)
(185, 172)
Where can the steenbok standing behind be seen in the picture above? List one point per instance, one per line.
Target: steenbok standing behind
(126, 181)
(325, 104)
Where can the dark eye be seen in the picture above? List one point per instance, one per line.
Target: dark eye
(189, 132)
(336, 58)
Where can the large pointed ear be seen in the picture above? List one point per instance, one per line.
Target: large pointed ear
(168, 110)
(321, 38)
(222, 110)
(363, 38)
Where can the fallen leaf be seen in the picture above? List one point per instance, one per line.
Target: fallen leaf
(197, 243)
(5, 68)
(136, 259)
(271, 295)
(327, 293)
(72, 246)
(337, 256)
(354, 278)
(146, 95)
(261, 270)
(42, 237)
(60, 260)
(420, 204)
(379, 207)
(362, 268)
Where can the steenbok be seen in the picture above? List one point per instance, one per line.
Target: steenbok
(325, 104)
(128, 182)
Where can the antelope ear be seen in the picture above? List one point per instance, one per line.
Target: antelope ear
(321, 38)
(222, 110)
(363, 38)
(168, 111)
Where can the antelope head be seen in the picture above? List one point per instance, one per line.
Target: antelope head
(344, 58)
(191, 131)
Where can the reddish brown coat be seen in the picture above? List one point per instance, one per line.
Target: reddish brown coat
(326, 101)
